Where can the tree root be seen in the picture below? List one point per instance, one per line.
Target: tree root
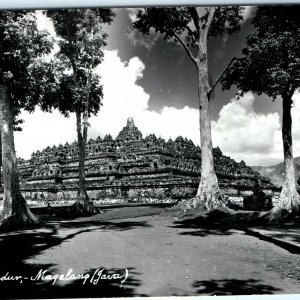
(19, 217)
(18, 221)
(279, 215)
(85, 207)
(201, 205)
(287, 209)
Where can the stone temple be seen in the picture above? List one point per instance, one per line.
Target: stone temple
(131, 168)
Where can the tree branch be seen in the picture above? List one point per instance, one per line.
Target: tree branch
(221, 75)
(211, 14)
(195, 61)
(292, 91)
(195, 18)
(190, 31)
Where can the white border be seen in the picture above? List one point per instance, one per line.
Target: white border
(38, 4)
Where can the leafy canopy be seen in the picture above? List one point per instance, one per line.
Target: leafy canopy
(22, 47)
(270, 63)
(185, 21)
(80, 38)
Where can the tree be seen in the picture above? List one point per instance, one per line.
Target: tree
(80, 38)
(270, 64)
(21, 47)
(192, 27)
(16, 127)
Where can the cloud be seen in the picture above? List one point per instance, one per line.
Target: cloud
(132, 13)
(123, 98)
(137, 38)
(45, 23)
(254, 137)
(296, 124)
(43, 129)
(239, 131)
(248, 12)
(245, 134)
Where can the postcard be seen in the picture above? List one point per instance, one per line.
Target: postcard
(149, 151)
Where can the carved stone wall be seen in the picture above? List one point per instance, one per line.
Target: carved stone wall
(131, 168)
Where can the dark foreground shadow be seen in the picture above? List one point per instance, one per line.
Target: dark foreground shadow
(223, 223)
(233, 287)
(19, 279)
(216, 222)
(273, 239)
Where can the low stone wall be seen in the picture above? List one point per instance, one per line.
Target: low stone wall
(110, 194)
(135, 193)
(139, 188)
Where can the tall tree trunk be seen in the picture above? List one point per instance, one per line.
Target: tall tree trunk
(81, 158)
(289, 198)
(208, 194)
(0, 161)
(83, 204)
(14, 209)
(208, 191)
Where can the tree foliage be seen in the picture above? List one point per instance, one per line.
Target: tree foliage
(183, 21)
(22, 49)
(270, 63)
(80, 38)
(191, 27)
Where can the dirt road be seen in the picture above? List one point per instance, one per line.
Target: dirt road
(164, 258)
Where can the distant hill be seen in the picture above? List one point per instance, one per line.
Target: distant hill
(276, 172)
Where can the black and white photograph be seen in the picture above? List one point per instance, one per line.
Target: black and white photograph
(149, 151)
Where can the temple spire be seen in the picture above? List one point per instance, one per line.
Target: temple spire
(130, 122)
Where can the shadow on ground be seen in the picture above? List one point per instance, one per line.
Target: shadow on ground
(223, 223)
(19, 246)
(31, 288)
(233, 287)
(286, 231)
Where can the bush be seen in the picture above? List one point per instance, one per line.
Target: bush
(258, 201)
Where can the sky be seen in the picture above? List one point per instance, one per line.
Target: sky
(155, 82)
